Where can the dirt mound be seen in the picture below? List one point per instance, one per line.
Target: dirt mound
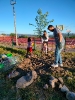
(43, 65)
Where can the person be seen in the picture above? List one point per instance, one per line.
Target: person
(29, 47)
(45, 48)
(59, 41)
(45, 39)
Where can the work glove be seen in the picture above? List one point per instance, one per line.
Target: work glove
(60, 45)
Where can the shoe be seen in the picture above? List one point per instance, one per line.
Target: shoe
(54, 65)
(61, 65)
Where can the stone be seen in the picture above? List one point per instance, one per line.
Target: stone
(31, 68)
(62, 74)
(64, 89)
(74, 77)
(55, 80)
(25, 81)
(70, 95)
(28, 56)
(21, 66)
(51, 78)
(13, 74)
(69, 78)
(60, 86)
(67, 71)
(52, 83)
(45, 86)
(60, 80)
(40, 71)
(27, 61)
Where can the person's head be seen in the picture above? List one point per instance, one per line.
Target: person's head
(29, 39)
(44, 32)
(51, 28)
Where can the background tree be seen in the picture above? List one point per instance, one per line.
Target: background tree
(23, 36)
(3, 34)
(12, 34)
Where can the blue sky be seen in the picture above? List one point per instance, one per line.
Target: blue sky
(62, 11)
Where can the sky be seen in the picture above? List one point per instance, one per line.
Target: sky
(62, 11)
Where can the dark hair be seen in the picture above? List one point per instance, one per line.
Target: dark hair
(29, 39)
(50, 26)
(44, 31)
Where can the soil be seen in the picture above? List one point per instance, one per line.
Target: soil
(42, 65)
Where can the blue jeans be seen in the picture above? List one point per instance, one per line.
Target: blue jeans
(58, 58)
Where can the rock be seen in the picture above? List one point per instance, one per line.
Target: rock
(13, 74)
(51, 78)
(60, 80)
(64, 89)
(70, 95)
(27, 61)
(34, 74)
(25, 81)
(62, 74)
(45, 86)
(55, 80)
(28, 56)
(52, 83)
(67, 71)
(40, 64)
(21, 66)
(43, 64)
(40, 71)
(60, 86)
(74, 77)
(69, 78)
(3, 56)
(31, 68)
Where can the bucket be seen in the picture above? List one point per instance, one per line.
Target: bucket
(9, 55)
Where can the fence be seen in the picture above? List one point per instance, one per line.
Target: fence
(7, 41)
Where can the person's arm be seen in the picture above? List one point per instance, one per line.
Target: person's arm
(48, 37)
(60, 36)
(42, 40)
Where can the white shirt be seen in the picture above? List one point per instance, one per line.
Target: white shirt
(46, 40)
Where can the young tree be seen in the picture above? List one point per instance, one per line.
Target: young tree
(41, 21)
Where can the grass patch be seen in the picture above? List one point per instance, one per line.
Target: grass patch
(13, 50)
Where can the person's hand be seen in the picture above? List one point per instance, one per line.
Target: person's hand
(60, 45)
(32, 44)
